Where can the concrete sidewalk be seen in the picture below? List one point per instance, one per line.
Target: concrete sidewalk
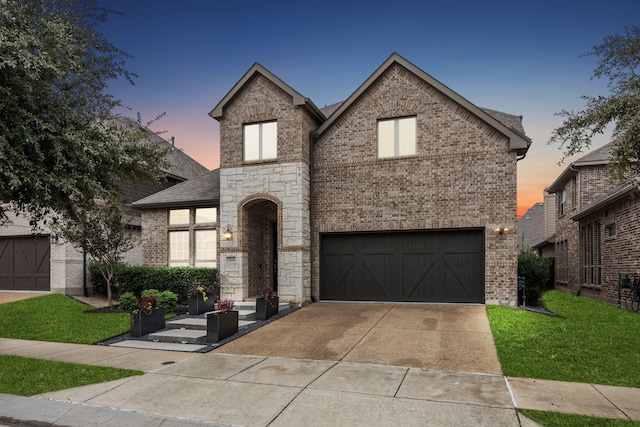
(226, 389)
(326, 364)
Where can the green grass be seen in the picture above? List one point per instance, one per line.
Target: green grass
(588, 342)
(556, 419)
(59, 318)
(25, 377)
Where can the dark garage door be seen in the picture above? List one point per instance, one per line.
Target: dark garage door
(24, 263)
(427, 266)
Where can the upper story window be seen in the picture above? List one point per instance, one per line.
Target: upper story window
(562, 202)
(396, 137)
(261, 141)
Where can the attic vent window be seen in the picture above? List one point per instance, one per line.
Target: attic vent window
(260, 141)
(397, 137)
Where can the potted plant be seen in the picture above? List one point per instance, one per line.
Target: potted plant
(199, 301)
(267, 304)
(147, 318)
(223, 322)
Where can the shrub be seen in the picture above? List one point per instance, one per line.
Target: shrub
(536, 271)
(97, 280)
(175, 279)
(128, 301)
(169, 301)
(150, 293)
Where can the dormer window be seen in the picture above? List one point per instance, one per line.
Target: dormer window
(260, 141)
(396, 137)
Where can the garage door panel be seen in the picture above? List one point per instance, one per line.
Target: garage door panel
(25, 263)
(430, 266)
(341, 275)
(377, 276)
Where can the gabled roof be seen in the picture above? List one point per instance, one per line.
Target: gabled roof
(298, 99)
(597, 157)
(619, 192)
(201, 191)
(517, 140)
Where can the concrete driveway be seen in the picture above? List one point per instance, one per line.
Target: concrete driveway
(428, 336)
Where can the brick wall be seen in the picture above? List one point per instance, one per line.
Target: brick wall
(154, 237)
(591, 182)
(463, 175)
(621, 252)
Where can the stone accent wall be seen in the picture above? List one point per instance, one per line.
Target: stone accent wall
(463, 176)
(280, 188)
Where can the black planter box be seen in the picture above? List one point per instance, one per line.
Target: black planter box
(221, 325)
(197, 305)
(265, 308)
(143, 322)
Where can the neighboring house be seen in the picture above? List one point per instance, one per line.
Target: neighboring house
(406, 191)
(609, 237)
(578, 185)
(46, 263)
(531, 227)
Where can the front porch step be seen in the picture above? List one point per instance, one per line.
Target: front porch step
(181, 336)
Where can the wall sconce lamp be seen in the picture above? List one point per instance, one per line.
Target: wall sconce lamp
(228, 234)
(53, 238)
(502, 230)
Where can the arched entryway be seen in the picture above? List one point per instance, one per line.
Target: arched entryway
(260, 243)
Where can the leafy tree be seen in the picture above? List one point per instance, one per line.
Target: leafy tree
(99, 230)
(619, 62)
(60, 148)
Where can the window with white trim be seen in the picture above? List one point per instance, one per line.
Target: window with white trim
(260, 141)
(192, 237)
(396, 137)
(205, 248)
(178, 248)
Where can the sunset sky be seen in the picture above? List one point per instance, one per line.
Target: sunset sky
(522, 58)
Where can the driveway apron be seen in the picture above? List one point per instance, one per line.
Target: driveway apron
(428, 336)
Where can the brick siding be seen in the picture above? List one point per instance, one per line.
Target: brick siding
(462, 176)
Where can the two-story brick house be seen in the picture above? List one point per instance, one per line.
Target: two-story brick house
(578, 185)
(405, 191)
(609, 232)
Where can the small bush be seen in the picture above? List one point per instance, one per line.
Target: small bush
(150, 293)
(535, 270)
(169, 301)
(128, 301)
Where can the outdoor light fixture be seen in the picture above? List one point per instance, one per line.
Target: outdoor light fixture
(53, 238)
(228, 234)
(501, 230)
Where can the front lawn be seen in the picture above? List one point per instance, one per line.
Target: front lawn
(59, 318)
(25, 377)
(587, 342)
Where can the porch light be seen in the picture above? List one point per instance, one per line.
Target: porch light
(502, 230)
(228, 234)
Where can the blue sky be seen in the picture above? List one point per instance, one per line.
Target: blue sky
(517, 57)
